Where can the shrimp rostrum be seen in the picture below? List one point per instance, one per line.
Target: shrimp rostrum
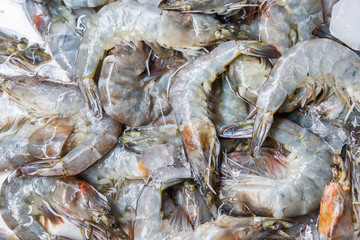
(70, 139)
(288, 186)
(312, 68)
(30, 204)
(131, 21)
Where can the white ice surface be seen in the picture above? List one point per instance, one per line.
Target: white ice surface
(345, 22)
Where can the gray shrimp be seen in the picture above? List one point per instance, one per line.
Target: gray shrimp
(283, 23)
(29, 203)
(299, 180)
(126, 94)
(19, 53)
(131, 21)
(61, 29)
(188, 95)
(221, 7)
(309, 68)
(83, 139)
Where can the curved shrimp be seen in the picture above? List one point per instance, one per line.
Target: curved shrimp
(126, 94)
(83, 138)
(188, 95)
(297, 187)
(18, 52)
(221, 7)
(29, 204)
(131, 21)
(298, 78)
(283, 23)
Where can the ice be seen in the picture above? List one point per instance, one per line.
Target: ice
(156, 157)
(345, 22)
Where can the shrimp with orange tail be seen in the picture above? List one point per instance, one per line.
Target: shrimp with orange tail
(188, 95)
(335, 218)
(309, 68)
(284, 186)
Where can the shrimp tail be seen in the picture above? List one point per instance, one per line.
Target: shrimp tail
(238, 130)
(260, 49)
(90, 91)
(261, 129)
(42, 168)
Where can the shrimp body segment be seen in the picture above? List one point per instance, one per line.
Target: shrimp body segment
(309, 68)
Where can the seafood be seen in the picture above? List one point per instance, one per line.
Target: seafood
(188, 95)
(221, 7)
(18, 52)
(227, 227)
(27, 202)
(83, 139)
(126, 94)
(130, 21)
(84, 3)
(60, 27)
(299, 182)
(335, 217)
(300, 75)
(284, 23)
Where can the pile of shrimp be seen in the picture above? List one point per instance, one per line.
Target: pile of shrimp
(179, 119)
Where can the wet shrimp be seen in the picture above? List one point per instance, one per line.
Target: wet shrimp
(327, 9)
(83, 139)
(283, 23)
(228, 227)
(61, 29)
(299, 181)
(221, 7)
(30, 204)
(309, 68)
(188, 95)
(131, 21)
(127, 93)
(19, 53)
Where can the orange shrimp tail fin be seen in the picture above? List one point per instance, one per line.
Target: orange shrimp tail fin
(335, 218)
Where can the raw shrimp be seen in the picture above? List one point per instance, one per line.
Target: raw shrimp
(61, 107)
(222, 7)
(300, 75)
(335, 217)
(29, 204)
(19, 53)
(60, 27)
(297, 183)
(84, 3)
(188, 95)
(283, 23)
(126, 94)
(227, 227)
(131, 21)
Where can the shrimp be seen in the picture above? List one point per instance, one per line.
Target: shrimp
(227, 227)
(61, 107)
(188, 95)
(221, 7)
(130, 21)
(127, 97)
(29, 204)
(286, 22)
(335, 217)
(85, 3)
(18, 52)
(297, 187)
(60, 27)
(298, 78)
